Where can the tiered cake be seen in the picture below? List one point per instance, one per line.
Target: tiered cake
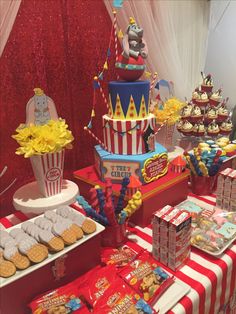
(128, 128)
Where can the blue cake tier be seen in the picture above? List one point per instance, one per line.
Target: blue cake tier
(147, 167)
(129, 100)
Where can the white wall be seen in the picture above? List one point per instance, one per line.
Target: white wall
(221, 54)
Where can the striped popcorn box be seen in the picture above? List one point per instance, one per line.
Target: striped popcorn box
(48, 171)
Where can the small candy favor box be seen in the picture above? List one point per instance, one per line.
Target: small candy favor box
(171, 236)
(226, 190)
(48, 171)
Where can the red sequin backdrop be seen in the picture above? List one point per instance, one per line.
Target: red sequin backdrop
(58, 45)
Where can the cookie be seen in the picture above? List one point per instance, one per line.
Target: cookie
(43, 223)
(65, 212)
(33, 231)
(14, 232)
(7, 241)
(35, 252)
(54, 243)
(77, 231)
(88, 225)
(51, 215)
(7, 268)
(67, 235)
(73, 228)
(43, 235)
(20, 261)
(3, 234)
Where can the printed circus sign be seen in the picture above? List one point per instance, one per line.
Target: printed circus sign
(118, 170)
(155, 167)
(53, 174)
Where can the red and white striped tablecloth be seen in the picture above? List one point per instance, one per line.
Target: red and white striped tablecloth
(212, 280)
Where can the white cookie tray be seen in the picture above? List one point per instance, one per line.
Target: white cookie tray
(217, 253)
(51, 257)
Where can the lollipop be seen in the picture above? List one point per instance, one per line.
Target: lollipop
(190, 163)
(101, 199)
(90, 211)
(195, 164)
(120, 203)
(203, 168)
(110, 214)
(93, 198)
(134, 204)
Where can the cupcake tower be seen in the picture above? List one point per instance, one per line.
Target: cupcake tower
(206, 114)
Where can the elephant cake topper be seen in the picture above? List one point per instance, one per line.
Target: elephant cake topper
(130, 64)
(40, 108)
(133, 43)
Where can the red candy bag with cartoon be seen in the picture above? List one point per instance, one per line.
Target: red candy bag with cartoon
(119, 257)
(146, 277)
(95, 282)
(121, 299)
(65, 299)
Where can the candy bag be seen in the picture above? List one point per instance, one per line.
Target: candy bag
(146, 277)
(63, 300)
(119, 257)
(94, 283)
(121, 299)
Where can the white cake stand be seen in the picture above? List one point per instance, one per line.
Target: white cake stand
(29, 200)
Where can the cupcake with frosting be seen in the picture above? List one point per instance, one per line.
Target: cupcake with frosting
(226, 127)
(200, 98)
(196, 114)
(187, 128)
(223, 112)
(211, 114)
(213, 129)
(199, 129)
(196, 95)
(207, 83)
(186, 111)
(179, 125)
(216, 98)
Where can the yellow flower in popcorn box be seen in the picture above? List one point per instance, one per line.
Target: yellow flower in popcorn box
(23, 135)
(41, 139)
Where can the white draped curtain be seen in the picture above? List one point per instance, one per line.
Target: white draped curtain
(220, 60)
(176, 33)
(8, 12)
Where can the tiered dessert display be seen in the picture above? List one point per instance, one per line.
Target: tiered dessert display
(128, 146)
(206, 114)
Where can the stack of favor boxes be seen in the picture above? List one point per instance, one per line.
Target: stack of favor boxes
(171, 236)
(226, 190)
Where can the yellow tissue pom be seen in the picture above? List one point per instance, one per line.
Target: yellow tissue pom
(40, 139)
(170, 113)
